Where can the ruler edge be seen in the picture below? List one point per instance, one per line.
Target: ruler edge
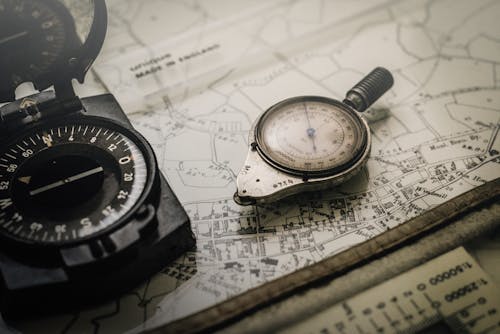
(333, 266)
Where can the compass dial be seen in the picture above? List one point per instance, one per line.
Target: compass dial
(311, 136)
(34, 37)
(61, 184)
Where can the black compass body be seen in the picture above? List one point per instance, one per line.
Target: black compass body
(85, 212)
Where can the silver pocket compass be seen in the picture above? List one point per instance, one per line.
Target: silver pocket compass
(309, 143)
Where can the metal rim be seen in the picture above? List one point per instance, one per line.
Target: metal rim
(360, 151)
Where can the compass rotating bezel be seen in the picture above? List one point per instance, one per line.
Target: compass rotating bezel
(148, 194)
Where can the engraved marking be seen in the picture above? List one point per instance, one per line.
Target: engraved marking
(25, 179)
(5, 203)
(18, 229)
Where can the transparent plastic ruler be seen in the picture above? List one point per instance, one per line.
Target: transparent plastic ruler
(451, 292)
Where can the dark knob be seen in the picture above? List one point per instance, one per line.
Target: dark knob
(369, 89)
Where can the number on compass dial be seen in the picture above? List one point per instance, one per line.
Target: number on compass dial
(310, 136)
(60, 184)
(34, 36)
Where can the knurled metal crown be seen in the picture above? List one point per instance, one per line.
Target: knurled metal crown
(369, 89)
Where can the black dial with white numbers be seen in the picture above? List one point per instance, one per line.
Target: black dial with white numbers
(35, 36)
(65, 183)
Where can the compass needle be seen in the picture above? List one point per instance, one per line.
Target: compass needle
(66, 181)
(13, 37)
(310, 130)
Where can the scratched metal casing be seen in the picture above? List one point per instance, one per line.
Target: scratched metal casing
(262, 179)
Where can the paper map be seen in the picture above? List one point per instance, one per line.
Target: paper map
(435, 134)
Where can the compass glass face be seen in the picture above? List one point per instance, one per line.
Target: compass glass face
(63, 183)
(311, 136)
(34, 36)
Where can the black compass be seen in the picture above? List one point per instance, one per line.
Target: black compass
(45, 28)
(85, 213)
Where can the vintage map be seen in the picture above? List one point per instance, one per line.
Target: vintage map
(435, 134)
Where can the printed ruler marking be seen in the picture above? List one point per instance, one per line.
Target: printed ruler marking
(452, 288)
